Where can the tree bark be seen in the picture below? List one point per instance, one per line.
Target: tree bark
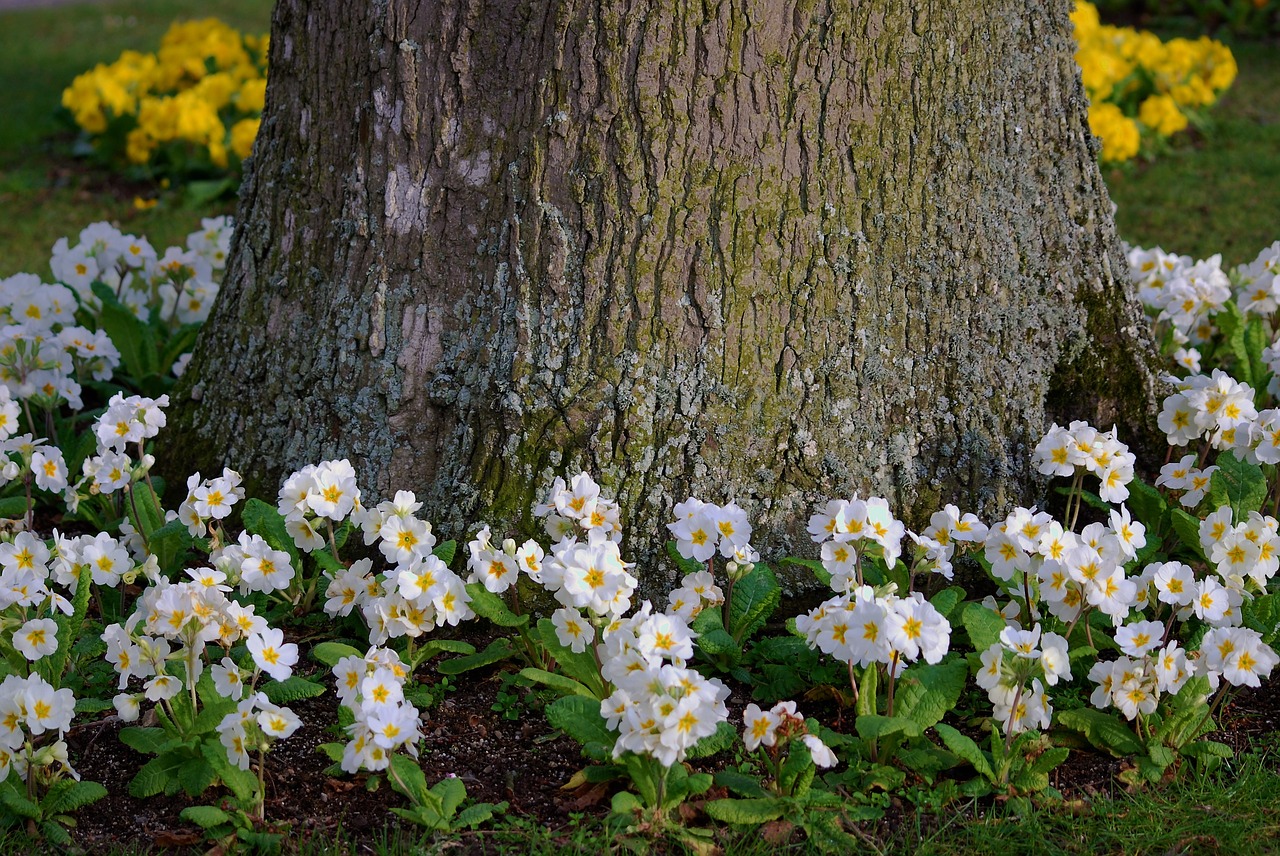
(765, 251)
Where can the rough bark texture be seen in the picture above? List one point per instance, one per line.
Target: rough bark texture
(755, 250)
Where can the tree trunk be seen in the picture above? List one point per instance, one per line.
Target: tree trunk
(765, 251)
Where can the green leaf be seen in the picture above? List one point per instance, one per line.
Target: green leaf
(292, 689)
(1187, 528)
(133, 338)
(926, 693)
(93, 705)
(983, 625)
(874, 727)
(1257, 336)
(1208, 749)
(325, 561)
(751, 601)
(169, 544)
(724, 737)
(53, 830)
(265, 521)
(13, 507)
(1049, 759)
(332, 751)
(580, 718)
(927, 760)
(947, 600)
(182, 340)
(1105, 731)
(713, 640)
(242, 783)
(69, 626)
(1147, 504)
(473, 816)
(406, 778)
(867, 691)
(1263, 615)
(1232, 328)
(451, 792)
(745, 812)
(1161, 756)
(488, 605)
(967, 750)
(499, 649)
(149, 741)
(1237, 483)
(330, 653)
(159, 775)
(144, 510)
(437, 647)
(445, 550)
(195, 775)
(797, 771)
(741, 784)
(205, 816)
(18, 803)
(560, 683)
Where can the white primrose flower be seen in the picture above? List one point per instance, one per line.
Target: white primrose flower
(227, 679)
(572, 630)
(36, 638)
(278, 722)
(761, 727)
(272, 654)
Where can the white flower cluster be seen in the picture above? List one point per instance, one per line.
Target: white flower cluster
(1074, 571)
(1023, 656)
(1134, 682)
(660, 708)
(29, 569)
(251, 563)
(31, 707)
(193, 614)
(845, 525)
(318, 492)
(209, 499)
(577, 507)
(127, 421)
(701, 528)
(1185, 477)
(255, 723)
(179, 284)
(1064, 451)
(860, 626)
(372, 688)
(411, 598)
(1260, 282)
(780, 725)
(43, 353)
(1184, 292)
(1216, 407)
(937, 544)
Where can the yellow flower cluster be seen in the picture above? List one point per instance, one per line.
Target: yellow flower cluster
(200, 94)
(1140, 86)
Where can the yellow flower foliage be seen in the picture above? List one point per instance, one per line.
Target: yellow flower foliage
(1142, 87)
(200, 94)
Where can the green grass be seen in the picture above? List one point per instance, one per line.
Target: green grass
(41, 50)
(1221, 194)
(1235, 810)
